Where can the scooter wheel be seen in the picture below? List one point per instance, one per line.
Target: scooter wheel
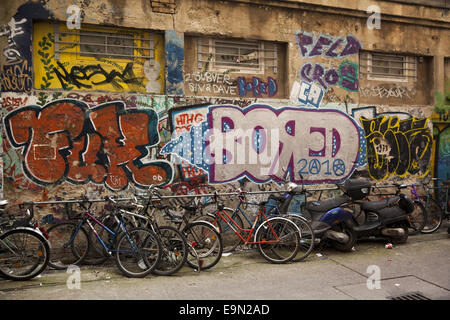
(402, 239)
(346, 247)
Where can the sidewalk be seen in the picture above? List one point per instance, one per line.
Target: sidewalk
(421, 265)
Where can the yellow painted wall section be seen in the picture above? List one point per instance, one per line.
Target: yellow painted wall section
(72, 70)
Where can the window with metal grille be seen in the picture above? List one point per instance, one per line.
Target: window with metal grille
(107, 45)
(389, 67)
(238, 55)
(103, 43)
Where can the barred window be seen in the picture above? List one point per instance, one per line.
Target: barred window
(236, 54)
(107, 45)
(389, 67)
(102, 43)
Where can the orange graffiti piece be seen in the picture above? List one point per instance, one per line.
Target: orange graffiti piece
(135, 129)
(65, 141)
(83, 159)
(46, 132)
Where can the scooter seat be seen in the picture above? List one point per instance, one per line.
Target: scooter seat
(378, 205)
(325, 205)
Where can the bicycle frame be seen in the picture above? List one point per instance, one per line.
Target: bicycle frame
(87, 217)
(253, 225)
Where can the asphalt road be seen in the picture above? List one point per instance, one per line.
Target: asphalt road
(421, 265)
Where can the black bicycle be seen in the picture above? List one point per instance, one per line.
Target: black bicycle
(174, 244)
(205, 245)
(24, 249)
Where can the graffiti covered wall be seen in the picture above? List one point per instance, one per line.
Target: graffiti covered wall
(73, 120)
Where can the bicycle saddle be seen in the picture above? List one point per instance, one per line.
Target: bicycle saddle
(378, 205)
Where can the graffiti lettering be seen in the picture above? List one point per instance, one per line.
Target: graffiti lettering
(257, 87)
(306, 93)
(218, 83)
(259, 141)
(65, 141)
(11, 30)
(326, 45)
(85, 73)
(190, 172)
(397, 146)
(388, 92)
(346, 76)
(209, 77)
(13, 101)
(16, 76)
(185, 121)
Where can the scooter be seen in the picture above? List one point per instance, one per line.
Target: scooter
(329, 219)
(387, 218)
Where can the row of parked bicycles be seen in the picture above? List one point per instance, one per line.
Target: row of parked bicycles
(144, 235)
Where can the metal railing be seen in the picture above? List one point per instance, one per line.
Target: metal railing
(235, 193)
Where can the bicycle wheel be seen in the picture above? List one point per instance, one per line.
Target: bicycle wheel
(418, 218)
(306, 241)
(24, 254)
(67, 247)
(229, 232)
(434, 216)
(207, 242)
(174, 251)
(278, 240)
(138, 252)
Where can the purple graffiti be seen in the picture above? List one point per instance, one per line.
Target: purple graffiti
(257, 86)
(346, 75)
(326, 45)
(303, 39)
(321, 152)
(317, 50)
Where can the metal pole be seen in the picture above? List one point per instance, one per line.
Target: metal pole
(169, 197)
